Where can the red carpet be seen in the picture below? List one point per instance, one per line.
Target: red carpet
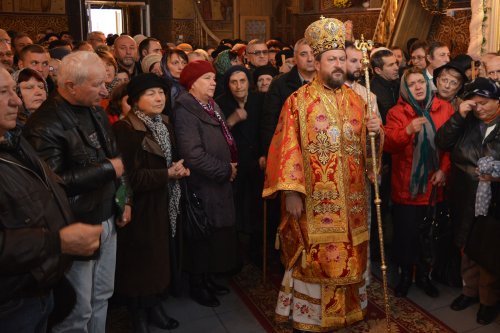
(405, 315)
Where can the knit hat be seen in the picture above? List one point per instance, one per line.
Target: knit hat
(143, 82)
(482, 87)
(264, 70)
(148, 62)
(193, 71)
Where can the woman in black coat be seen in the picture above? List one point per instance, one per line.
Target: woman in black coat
(472, 134)
(143, 262)
(243, 108)
(209, 151)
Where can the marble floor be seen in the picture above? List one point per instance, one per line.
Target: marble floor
(232, 316)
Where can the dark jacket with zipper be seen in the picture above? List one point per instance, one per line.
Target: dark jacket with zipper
(466, 142)
(387, 93)
(89, 178)
(33, 208)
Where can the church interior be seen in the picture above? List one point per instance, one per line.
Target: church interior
(467, 26)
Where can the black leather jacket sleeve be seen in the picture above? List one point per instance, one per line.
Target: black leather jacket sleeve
(449, 134)
(76, 178)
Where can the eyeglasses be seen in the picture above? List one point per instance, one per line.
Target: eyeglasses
(6, 54)
(452, 83)
(5, 40)
(259, 52)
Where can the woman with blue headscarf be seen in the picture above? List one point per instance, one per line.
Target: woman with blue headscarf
(419, 172)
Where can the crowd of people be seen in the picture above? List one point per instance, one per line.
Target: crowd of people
(104, 142)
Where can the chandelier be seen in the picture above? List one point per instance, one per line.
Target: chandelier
(436, 7)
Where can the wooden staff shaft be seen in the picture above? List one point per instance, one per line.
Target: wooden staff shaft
(264, 245)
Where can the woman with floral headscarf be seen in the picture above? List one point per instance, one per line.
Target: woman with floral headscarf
(419, 172)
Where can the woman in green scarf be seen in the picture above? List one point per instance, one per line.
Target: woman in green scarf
(419, 172)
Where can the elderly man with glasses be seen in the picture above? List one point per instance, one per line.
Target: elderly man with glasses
(257, 54)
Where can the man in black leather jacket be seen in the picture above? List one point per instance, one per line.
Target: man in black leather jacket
(35, 235)
(71, 133)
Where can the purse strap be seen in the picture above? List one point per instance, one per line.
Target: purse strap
(431, 206)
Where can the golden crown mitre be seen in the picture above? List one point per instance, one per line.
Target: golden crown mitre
(326, 34)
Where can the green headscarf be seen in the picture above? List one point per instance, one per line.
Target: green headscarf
(425, 155)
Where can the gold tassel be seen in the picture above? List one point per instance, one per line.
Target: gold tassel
(304, 259)
(287, 283)
(277, 241)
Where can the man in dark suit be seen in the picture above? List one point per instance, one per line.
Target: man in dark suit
(283, 86)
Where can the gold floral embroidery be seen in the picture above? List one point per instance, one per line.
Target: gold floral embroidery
(356, 209)
(354, 150)
(326, 208)
(323, 147)
(325, 195)
(356, 196)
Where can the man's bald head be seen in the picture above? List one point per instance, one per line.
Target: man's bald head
(125, 51)
(493, 68)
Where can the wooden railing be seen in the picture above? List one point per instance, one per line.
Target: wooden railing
(386, 21)
(201, 31)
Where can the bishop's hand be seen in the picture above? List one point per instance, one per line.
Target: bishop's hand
(293, 204)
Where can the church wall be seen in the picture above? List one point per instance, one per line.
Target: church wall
(364, 22)
(453, 31)
(32, 24)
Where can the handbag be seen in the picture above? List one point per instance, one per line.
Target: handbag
(434, 227)
(427, 229)
(438, 248)
(196, 225)
(447, 263)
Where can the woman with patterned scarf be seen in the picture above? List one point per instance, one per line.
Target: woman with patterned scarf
(210, 152)
(419, 172)
(145, 255)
